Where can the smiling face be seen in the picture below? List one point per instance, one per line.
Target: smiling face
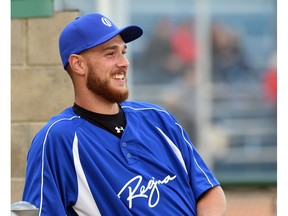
(107, 70)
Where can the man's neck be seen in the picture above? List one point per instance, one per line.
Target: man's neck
(99, 106)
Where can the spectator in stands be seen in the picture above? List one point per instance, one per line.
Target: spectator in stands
(269, 81)
(184, 45)
(180, 99)
(269, 85)
(180, 96)
(159, 62)
(228, 62)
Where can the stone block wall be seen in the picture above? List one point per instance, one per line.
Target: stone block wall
(40, 87)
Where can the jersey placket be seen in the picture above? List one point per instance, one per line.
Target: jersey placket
(128, 145)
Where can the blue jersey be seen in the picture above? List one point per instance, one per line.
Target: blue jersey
(77, 168)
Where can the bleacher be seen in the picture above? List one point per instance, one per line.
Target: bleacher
(250, 125)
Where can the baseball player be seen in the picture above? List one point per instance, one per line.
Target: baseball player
(106, 155)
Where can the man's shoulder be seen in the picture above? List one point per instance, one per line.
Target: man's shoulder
(64, 121)
(140, 105)
(145, 108)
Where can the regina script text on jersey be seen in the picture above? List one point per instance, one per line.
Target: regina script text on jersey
(144, 191)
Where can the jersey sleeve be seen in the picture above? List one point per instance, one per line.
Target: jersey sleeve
(49, 172)
(200, 175)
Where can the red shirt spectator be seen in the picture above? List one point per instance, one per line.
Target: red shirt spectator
(183, 42)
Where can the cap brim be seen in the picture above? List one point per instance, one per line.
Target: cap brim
(131, 33)
(128, 34)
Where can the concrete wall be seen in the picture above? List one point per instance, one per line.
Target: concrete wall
(40, 87)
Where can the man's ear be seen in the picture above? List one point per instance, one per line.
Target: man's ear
(77, 64)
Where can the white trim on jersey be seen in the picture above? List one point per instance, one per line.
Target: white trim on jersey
(85, 204)
(43, 158)
(182, 132)
(175, 149)
(149, 108)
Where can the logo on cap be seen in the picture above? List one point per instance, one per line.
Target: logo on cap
(106, 21)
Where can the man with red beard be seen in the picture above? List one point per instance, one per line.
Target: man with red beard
(106, 155)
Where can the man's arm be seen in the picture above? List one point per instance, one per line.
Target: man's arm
(212, 203)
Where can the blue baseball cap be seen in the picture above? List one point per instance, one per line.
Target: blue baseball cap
(91, 30)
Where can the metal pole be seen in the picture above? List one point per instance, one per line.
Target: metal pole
(203, 81)
(104, 7)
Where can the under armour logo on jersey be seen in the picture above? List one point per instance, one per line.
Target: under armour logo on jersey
(106, 21)
(119, 129)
